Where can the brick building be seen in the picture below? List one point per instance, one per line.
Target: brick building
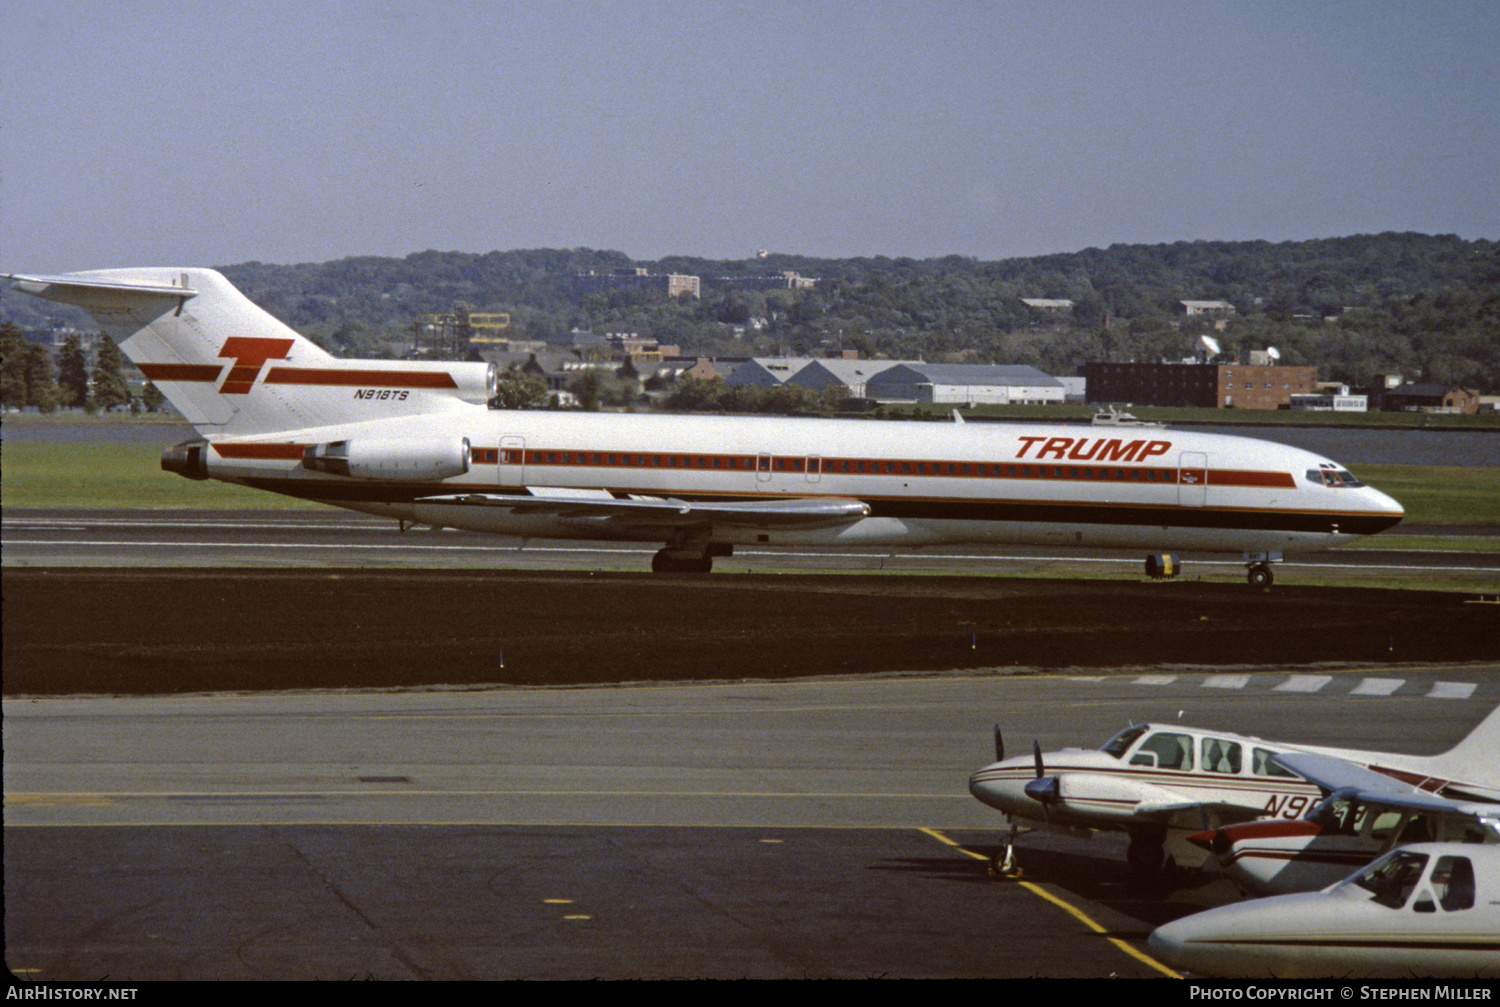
(1214, 386)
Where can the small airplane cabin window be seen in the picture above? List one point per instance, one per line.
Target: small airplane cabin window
(1221, 756)
(1165, 750)
(1453, 883)
(1261, 765)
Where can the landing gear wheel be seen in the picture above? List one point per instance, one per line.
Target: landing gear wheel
(1003, 863)
(665, 562)
(1260, 575)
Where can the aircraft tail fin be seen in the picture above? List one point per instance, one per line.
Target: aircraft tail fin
(1477, 757)
(232, 369)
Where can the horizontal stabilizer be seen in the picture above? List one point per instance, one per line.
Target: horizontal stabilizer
(76, 289)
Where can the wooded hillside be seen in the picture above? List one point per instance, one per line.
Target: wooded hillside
(1424, 305)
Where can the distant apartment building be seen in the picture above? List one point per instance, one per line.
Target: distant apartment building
(1049, 305)
(1193, 309)
(785, 280)
(1210, 386)
(671, 284)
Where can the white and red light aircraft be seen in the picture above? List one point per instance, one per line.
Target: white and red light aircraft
(1367, 811)
(415, 441)
(1429, 909)
(1159, 783)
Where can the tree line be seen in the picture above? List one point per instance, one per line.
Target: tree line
(95, 383)
(1424, 305)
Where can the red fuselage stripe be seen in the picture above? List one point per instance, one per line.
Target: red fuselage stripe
(348, 378)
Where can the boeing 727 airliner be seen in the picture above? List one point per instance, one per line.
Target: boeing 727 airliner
(416, 441)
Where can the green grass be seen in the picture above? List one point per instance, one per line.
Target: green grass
(1439, 495)
(98, 476)
(1187, 414)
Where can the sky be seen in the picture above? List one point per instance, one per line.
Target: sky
(152, 132)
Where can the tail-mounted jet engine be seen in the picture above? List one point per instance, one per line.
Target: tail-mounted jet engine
(391, 459)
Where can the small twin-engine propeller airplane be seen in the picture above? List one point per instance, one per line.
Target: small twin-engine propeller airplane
(1429, 909)
(1365, 813)
(1162, 782)
(415, 442)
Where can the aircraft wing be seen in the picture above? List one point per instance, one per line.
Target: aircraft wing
(602, 507)
(1332, 773)
(1372, 788)
(1195, 814)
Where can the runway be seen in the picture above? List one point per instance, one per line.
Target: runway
(747, 829)
(808, 827)
(341, 538)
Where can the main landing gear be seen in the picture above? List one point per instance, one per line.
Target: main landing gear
(687, 559)
(1258, 568)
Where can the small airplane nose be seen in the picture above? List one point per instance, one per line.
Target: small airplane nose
(985, 791)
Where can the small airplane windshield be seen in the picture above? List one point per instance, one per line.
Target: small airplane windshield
(1120, 743)
(1390, 880)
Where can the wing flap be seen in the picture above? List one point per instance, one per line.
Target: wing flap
(801, 513)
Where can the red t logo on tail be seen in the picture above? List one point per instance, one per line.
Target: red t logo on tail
(250, 354)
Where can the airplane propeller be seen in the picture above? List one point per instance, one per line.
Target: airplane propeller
(999, 745)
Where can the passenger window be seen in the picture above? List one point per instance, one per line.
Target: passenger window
(1220, 756)
(1172, 751)
(1453, 883)
(1261, 765)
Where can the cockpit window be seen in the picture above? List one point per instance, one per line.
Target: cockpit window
(1391, 879)
(1334, 478)
(1121, 742)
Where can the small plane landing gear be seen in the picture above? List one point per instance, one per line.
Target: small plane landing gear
(1147, 851)
(1003, 862)
(1259, 575)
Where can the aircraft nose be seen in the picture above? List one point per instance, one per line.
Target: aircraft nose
(1167, 942)
(985, 789)
(1386, 506)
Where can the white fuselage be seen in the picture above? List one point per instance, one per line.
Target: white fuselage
(925, 483)
(1430, 909)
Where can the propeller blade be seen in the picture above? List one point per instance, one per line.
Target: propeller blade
(999, 745)
(1036, 752)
